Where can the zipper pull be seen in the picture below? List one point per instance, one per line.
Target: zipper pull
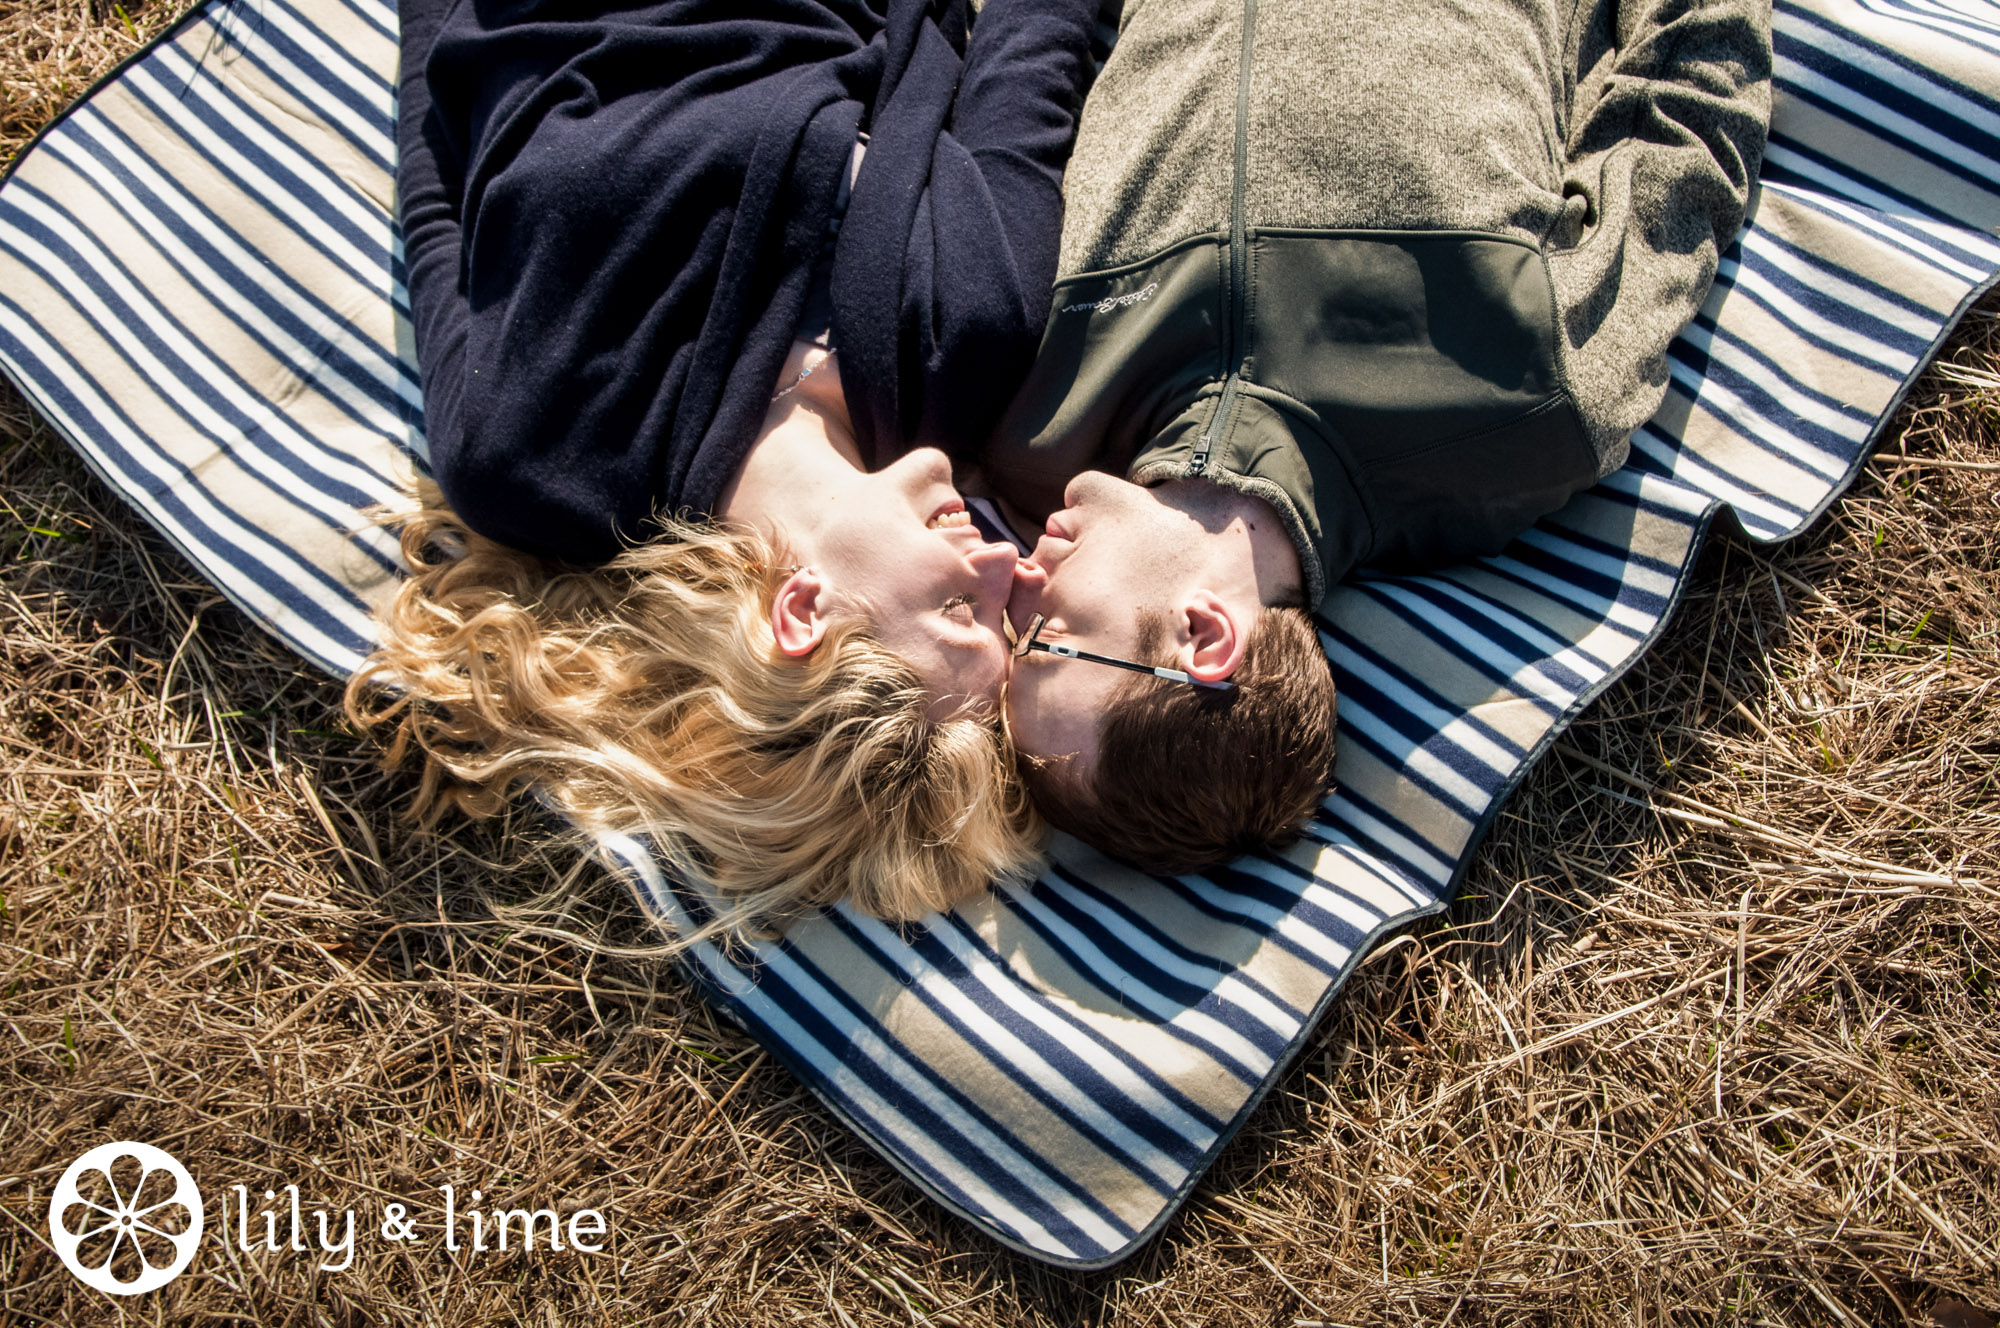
(1199, 462)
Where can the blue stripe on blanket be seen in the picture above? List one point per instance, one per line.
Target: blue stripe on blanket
(231, 272)
(201, 287)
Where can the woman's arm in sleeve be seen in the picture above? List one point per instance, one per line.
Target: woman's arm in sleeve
(1665, 136)
(982, 257)
(1027, 67)
(429, 184)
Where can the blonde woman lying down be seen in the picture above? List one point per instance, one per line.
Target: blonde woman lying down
(688, 258)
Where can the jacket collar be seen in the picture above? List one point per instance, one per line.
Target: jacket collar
(1273, 448)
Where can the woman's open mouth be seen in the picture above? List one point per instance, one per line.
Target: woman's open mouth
(949, 517)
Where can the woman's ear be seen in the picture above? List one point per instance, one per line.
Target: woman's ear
(798, 613)
(1217, 640)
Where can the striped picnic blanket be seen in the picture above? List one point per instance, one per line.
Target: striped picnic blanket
(201, 287)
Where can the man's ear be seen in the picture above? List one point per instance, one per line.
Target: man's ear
(798, 612)
(1215, 636)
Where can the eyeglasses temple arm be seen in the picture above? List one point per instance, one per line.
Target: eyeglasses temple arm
(1171, 675)
(1175, 675)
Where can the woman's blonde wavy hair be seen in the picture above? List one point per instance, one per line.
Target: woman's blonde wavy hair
(647, 696)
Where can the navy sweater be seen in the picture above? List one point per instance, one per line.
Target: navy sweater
(612, 212)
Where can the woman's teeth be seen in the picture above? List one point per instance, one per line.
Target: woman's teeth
(946, 520)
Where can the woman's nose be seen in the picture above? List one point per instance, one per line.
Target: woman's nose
(994, 564)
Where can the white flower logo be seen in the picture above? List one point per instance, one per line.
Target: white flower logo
(117, 1226)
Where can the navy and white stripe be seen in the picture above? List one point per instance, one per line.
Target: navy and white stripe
(201, 287)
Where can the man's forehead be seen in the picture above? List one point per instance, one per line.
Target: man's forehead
(1053, 709)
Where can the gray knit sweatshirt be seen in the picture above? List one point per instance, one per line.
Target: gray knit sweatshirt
(1406, 270)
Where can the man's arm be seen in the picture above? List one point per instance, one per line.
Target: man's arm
(1667, 122)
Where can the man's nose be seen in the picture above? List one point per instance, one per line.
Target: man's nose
(1084, 484)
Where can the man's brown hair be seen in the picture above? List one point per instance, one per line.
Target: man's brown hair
(1188, 777)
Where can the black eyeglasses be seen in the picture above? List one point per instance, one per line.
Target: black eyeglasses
(1031, 640)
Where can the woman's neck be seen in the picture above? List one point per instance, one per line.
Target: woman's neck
(806, 428)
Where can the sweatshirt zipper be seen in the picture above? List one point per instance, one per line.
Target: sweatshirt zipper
(1239, 256)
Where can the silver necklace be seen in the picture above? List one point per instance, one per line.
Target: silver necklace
(804, 374)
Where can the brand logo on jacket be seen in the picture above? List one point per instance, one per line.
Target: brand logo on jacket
(1112, 302)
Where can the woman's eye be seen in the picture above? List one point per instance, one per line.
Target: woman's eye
(960, 606)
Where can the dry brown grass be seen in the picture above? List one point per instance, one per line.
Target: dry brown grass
(1711, 1038)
